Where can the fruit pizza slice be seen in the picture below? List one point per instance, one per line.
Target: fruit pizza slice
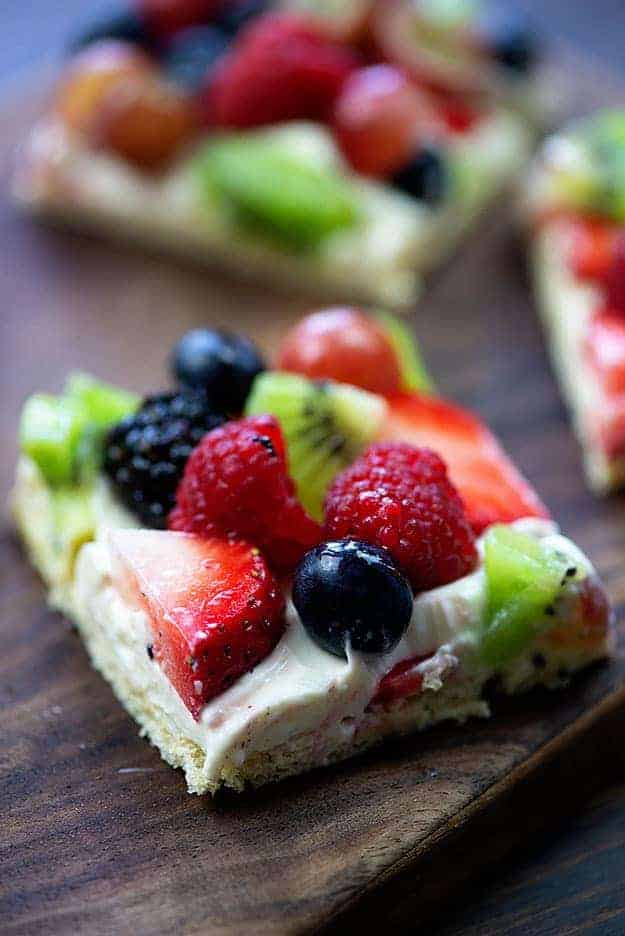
(270, 143)
(575, 205)
(276, 569)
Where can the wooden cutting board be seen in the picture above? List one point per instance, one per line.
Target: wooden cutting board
(98, 834)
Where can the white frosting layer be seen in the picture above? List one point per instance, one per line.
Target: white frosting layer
(566, 306)
(299, 688)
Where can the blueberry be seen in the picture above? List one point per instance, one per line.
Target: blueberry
(237, 15)
(124, 25)
(220, 363)
(351, 591)
(425, 178)
(192, 53)
(509, 39)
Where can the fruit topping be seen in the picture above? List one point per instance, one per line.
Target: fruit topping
(425, 177)
(325, 424)
(605, 348)
(585, 170)
(125, 25)
(400, 498)
(350, 595)
(342, 344)
(508, 38)
(215, 609)
(281, 67)
(377, 353)
(192, 53)
(433, 41)
(221, 363)
(145, 454)
(525, 578)
(164, 18)
(145, 121)
(102, 403)
(269, 188)
(404, 681)
(614, 278)
(50, 433)
(91, 76)
(591, 248)
(490, 486)
(378, 118)
(63, 435)
(412, 368)
(236, 483)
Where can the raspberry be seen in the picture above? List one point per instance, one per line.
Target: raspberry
(281, 68)
(400, 497)
(236, 482)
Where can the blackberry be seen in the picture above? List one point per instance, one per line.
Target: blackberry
(145, 454)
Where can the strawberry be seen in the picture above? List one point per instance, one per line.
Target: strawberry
(592, 244)
(492, 489)
(614, 278)
(605, 349)
(403, 681)
(215, 609)
(282, 67)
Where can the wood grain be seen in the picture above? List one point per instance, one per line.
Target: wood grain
(99, 835)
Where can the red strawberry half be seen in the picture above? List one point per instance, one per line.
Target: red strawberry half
(215, 609)
(492, 489)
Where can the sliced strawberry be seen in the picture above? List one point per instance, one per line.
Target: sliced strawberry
(403, 681)
(614, 278)
(605, 349)
(592, 244)
(491, 487)
(215, 609)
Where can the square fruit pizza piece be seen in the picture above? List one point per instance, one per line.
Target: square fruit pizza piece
(276, 568)
(575, 207)
(344, 153)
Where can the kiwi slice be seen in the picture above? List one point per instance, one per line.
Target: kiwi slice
(63, 434)
(588, 168)
(50, 433)
(325, 424)
(413, 373)
(270, 189)
(103, 404)
(524, 577)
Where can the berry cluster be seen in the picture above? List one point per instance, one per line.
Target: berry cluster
(145, 83)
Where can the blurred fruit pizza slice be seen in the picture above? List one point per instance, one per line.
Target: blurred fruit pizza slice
(575, 210)
(279, 143)
(277, 567)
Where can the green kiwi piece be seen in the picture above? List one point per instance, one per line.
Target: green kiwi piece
(326, 425)
(524, 577)
(413, 372)
(271, 190)
(50, 432)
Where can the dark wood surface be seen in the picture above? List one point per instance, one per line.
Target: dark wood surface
(99, 835)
